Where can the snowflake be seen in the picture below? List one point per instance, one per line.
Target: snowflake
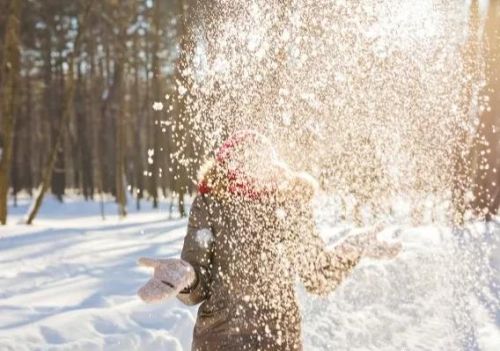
(204, 237)
(280, 214)
(158, 106)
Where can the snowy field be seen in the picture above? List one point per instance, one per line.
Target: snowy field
(69, 283)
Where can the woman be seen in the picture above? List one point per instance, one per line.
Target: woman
(251, 232)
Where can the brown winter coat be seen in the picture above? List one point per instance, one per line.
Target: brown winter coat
(246, 270)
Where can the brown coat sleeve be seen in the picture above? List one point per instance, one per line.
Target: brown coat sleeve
(197, 250)
(320, 270)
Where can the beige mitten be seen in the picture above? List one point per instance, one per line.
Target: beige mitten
(170, 277)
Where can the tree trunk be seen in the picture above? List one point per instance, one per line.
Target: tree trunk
(156, 115)
(121, 197)
(489, 149)
(139, 149)
(182, 140)
(58, 177)
(8, 99)
(462, 151)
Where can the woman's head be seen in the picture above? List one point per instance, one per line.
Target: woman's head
(247, 164)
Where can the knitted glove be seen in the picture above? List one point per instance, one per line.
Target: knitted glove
(170, 277)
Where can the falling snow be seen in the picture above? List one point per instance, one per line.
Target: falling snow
(158, 106)
(376, 100)
(204, 237)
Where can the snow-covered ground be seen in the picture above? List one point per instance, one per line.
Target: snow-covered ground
(69, 283)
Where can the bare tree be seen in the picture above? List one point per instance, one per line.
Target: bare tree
(9, 92)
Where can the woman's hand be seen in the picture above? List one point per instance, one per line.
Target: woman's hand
(170, 277)
(372, 247)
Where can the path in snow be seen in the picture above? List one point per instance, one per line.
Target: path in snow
(69, 283)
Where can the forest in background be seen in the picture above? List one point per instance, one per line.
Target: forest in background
(78, 83)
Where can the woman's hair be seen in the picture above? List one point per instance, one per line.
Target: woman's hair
(213, 179)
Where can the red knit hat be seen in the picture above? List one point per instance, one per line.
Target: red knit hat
(245, 156)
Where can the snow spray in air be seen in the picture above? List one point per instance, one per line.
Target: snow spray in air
(378, 101)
